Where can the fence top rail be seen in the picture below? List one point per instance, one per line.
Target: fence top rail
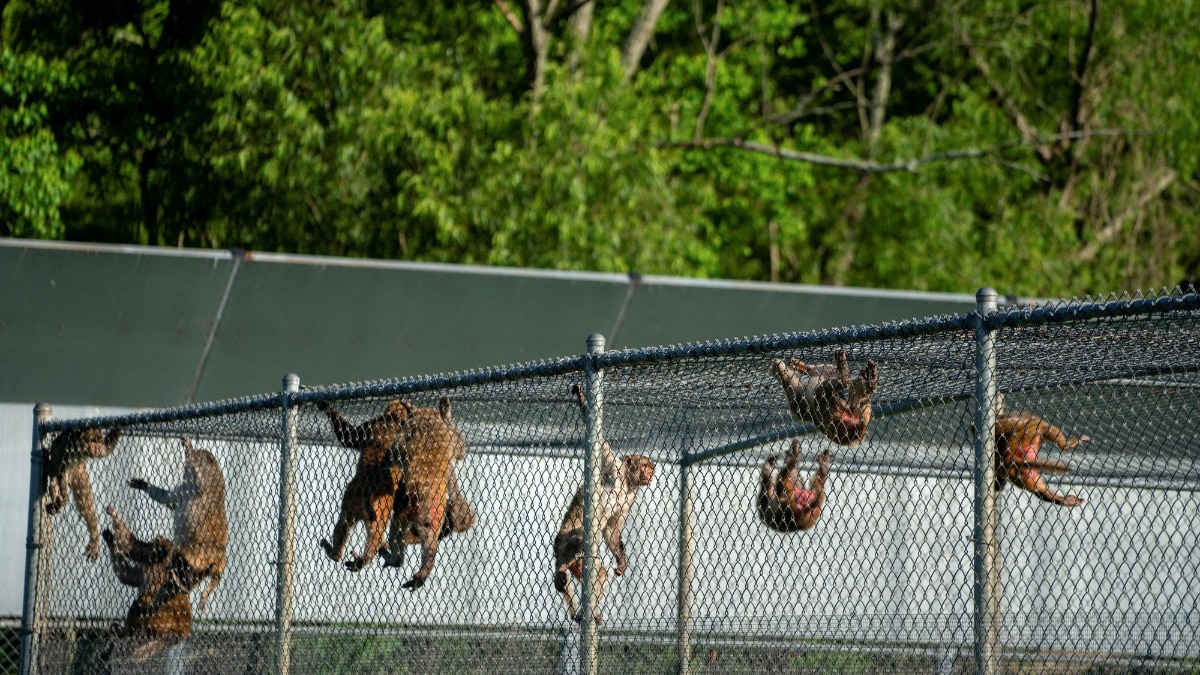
(178, 413)
(1064, 311)
(770, 343)
(353, 390)
(1073, 310)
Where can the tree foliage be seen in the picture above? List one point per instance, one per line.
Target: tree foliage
(1041, 148)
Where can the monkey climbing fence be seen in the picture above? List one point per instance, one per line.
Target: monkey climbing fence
(916, 563)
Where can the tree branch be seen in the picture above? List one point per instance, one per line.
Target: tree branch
(639, 36)
(1113, 226)
(1081, 68)
(509, 16)
(710, 65)
(801, 108)
(870, 166)
(1027, 129)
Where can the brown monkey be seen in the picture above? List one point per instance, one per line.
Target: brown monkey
(200, 524)
(1019, 434)
(783, 503)
(147, 567)
(370, 494)
(66, 469)
(825, 396)
(405, 471)
(619, 482)
(429, 502)
(460, 517)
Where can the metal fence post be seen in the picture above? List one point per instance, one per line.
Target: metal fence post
(594, 391)
(987, 552)
(684, 615)
(285, 552)
(33, 543)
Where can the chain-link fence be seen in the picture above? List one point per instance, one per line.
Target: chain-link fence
(908, 558)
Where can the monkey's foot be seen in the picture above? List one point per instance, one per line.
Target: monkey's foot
(391, 559)
(416, 582)
(329, 551)
(121, 538)
(93, 550)
(356, 563)
(578, 617)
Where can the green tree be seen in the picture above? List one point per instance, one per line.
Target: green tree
(1042, 149)
(35, 174)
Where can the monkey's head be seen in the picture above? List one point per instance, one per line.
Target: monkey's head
(200, 468)
(639, 469)
(91, 441)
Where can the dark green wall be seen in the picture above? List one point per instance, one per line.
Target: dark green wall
(130, 326)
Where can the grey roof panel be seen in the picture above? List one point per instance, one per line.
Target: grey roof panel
(98, 326)
(334, 323)
(668, 312)
(91, 324)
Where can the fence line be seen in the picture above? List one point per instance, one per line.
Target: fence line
(699, 409)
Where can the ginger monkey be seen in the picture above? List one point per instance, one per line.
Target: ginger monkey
(201, 527)
(1019, 434)
(152, 623)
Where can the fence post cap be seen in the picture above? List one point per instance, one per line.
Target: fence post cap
(595, 343)
(291, 382)
(986, 294)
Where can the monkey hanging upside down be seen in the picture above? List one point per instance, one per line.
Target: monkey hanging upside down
(825, 396)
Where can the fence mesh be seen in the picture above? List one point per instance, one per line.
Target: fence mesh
(884, 581)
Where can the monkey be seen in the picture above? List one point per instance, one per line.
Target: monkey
(1019, 434)
(825, 396)
(147, 567)
(619, 482)
(783, 503)
(370, 494)
(460, 517)
(429, 504)
(405, 471)
(66, 469)
(201, 530)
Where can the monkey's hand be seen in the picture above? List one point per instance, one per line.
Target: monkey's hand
(772, 459)
(870, 375)
(1072, 500)
(823, 460)
(355, 563)
(93, 549)
(324, 406)
(622, 565)
(1075, 442)
(414, 583)
(138, 484)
